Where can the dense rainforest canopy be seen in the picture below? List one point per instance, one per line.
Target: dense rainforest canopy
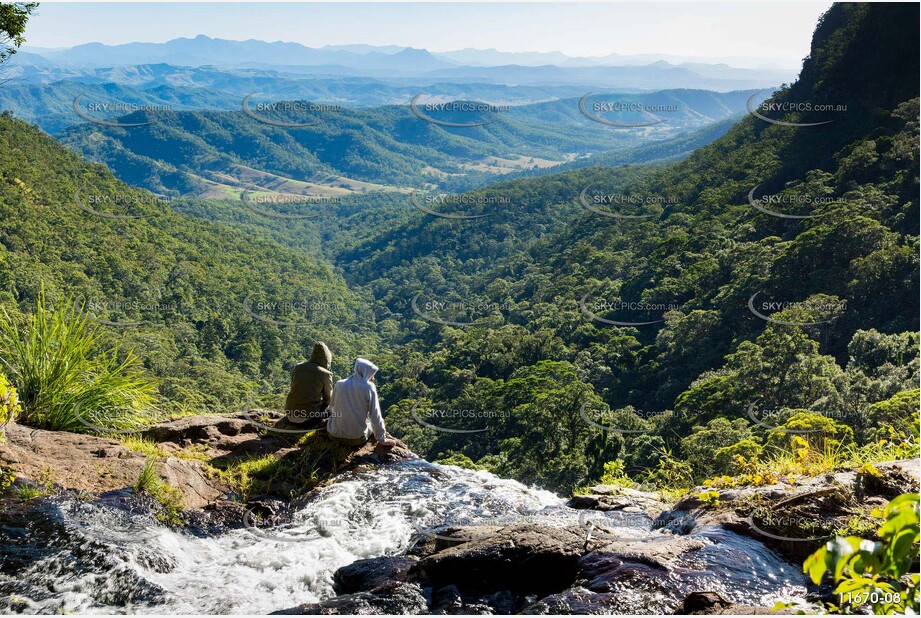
(656, 321)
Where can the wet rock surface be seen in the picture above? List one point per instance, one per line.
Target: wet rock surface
(523, 558)
(715, 604)
(590, 569)
(523, 568)
(371, 573)
(614, 498)
(393, 599)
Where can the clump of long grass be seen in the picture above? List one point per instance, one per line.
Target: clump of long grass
(265, 474)
(69, 376)
(169, 498)
(148, 480)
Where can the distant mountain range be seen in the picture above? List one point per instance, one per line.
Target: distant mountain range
(512, 68)
(336, 153)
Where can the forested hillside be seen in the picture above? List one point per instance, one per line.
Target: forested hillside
(705, 373)
(342, 150)
(174, 286)
(658, 321)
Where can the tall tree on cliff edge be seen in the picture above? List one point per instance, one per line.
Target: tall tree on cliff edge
(13, 19)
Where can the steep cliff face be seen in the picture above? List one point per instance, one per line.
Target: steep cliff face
(863, 63)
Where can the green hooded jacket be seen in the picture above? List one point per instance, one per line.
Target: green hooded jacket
(311, 387)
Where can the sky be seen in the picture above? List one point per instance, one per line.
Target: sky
(747, 33)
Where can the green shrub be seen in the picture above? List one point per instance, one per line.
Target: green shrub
(460, 460)
(871, 573)
(896, 417)
(7, 478)
(731, 459)
(699, 447)
(671, 475)
(69, 376)
(820, 432)
(615, 473)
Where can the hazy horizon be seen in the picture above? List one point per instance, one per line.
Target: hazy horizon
(760, 34)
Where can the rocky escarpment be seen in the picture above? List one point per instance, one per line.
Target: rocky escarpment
(186, 453)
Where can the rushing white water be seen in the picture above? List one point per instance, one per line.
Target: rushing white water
(107, 563)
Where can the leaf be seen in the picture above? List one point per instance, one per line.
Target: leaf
(815, 564)
(839, 550)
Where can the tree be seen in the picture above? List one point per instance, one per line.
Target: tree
(13, 18)
(699, 447)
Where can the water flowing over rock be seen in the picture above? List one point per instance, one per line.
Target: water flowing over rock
(388, 534)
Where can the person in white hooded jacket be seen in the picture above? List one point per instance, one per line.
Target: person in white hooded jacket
(354, 409)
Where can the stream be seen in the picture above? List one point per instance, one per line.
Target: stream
(90, 557)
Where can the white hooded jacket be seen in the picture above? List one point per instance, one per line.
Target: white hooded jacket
(354, 405)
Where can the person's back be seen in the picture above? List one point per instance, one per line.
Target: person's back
(354, 411)
(311, 388)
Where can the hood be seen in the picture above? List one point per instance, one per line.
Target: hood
(322, 356)
(365, 369)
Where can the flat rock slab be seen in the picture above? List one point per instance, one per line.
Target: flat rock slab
(94, 464)
(71, 460)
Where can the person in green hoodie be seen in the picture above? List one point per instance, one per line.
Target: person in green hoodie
(311, 389)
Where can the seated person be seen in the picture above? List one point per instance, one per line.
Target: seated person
(311, 389)
(354, 410)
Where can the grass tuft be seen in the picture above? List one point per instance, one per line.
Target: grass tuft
(142, 445)
(169, 498)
